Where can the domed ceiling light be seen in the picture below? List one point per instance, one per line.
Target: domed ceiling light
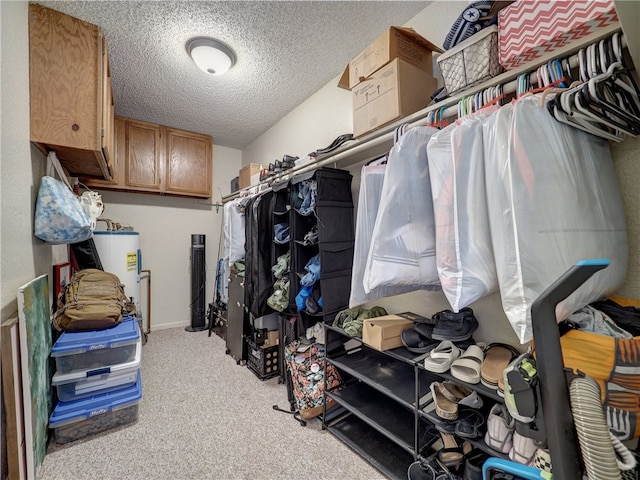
(211, 56)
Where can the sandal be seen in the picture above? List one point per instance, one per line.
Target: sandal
(460, 395)
(441, 357)
(444, 408)
(416, 343)
(469, 425)
(447, 427)
(497, 357)
(467, 367)
(453, 326)
(451, 455)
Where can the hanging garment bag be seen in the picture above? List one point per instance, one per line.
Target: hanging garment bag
(403, 246)
(258, 266)
(464, 252)
(371, 181)
(553, 199)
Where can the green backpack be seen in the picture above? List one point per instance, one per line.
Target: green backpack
(93, 300)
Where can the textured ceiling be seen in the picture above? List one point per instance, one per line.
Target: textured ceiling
(286, 51)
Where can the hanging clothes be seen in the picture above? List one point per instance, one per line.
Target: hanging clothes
(402, 249)
(371, 181)
(464, 252)
(553, 199)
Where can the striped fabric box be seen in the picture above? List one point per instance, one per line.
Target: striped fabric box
(527, 29)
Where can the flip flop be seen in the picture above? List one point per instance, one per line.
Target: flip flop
(497, 357)
(467, 367)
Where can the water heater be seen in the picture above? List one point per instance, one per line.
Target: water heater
(119, 253)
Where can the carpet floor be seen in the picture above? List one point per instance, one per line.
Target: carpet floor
(204, 417)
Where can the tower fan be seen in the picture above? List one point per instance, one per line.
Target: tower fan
(198, 280)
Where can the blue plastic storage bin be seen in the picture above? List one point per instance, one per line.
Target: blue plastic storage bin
(81, 418)
(79, 351)
(86, 383)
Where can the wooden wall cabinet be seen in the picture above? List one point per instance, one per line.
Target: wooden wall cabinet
(70, 92)
(152, 158)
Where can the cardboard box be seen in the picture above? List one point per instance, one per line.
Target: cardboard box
(529, 29)
(396, 42)
(396, 90)
(273, 338)
(383, 333)
(250, 175)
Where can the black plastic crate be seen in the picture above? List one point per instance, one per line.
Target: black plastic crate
(264, 362)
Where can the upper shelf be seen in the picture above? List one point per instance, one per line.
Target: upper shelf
(379, 142)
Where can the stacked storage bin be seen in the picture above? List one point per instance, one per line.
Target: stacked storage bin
(97, 380)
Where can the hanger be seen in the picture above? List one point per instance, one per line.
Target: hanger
(562, 116)
(612, 101)
(582, 65)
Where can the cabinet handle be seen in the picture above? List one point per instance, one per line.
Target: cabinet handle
(238, 304)
(75, 127)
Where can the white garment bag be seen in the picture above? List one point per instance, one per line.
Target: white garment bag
(402, 249)
(553, 200)
(464, 252)
(371, 182)
(234, 230)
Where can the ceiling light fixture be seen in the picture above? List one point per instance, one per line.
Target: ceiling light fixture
(211, 56)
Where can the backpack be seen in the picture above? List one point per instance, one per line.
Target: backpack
(93, 300)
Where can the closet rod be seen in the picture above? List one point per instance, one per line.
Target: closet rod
(379, 142)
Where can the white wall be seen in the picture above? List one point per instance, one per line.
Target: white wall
(165, 225)
(299, 129)
(315, 124)
(23, 256)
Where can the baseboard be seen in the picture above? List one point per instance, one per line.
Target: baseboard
(164, 326)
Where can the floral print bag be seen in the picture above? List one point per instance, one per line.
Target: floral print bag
(306, 365)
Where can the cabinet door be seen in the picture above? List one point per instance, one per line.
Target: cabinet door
(143, 169)
(108, 110)
(65, 64)
(117, 161)
(188, 163)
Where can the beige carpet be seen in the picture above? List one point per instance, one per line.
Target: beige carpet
(204, 417)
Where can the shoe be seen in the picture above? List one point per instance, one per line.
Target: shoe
(424, 328)
(421, 471)
(277, 166)
(451, 454)
(444, 408)
(453, 391)
(523, 450)
(467, 366)
(473, 465)
(455, 327)
(469, 424)
(288, 162)
(500, 429)
(416, 343)
(441, 357)
(497, 357)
